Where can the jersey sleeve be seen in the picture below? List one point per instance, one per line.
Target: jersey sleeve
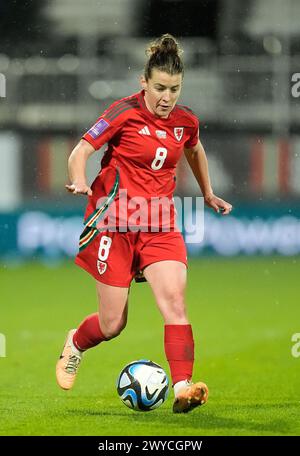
(105, 127)
(194, 136)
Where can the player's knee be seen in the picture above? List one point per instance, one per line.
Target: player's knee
(112, 328)
(178, 315)
(175, 300)
(175, 305)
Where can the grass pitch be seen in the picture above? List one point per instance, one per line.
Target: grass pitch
(244, 313)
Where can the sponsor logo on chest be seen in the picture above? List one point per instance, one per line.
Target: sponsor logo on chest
(161, 134)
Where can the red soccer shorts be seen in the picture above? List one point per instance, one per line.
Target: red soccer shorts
(115, 258)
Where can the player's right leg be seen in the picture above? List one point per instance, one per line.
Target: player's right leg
(108, 258)
(94, 329)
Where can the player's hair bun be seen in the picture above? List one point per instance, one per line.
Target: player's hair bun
(164, 55)
(165, 44)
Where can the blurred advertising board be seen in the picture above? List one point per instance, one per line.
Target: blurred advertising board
(250, 230)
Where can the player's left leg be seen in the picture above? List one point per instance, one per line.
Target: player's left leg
(168, 281)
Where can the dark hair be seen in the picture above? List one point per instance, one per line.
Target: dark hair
(164, 55)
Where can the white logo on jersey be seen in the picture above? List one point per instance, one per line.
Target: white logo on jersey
(178, 133)
(145, 131)
(161, 134)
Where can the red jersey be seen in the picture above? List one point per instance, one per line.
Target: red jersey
(143, 148)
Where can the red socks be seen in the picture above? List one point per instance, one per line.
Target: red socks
(179, 349)
(88, 334)
(179, 345)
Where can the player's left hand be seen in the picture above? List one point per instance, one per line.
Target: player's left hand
(217, 204)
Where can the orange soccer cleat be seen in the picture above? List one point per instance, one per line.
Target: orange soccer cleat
(190, 396)
(68, 363)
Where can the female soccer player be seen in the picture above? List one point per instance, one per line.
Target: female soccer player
(146, 135)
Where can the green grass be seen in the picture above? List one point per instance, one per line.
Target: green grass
(243, 311)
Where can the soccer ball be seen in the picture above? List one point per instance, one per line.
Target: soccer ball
(143, 385)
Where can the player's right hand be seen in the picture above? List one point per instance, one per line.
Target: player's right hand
(79, 189)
